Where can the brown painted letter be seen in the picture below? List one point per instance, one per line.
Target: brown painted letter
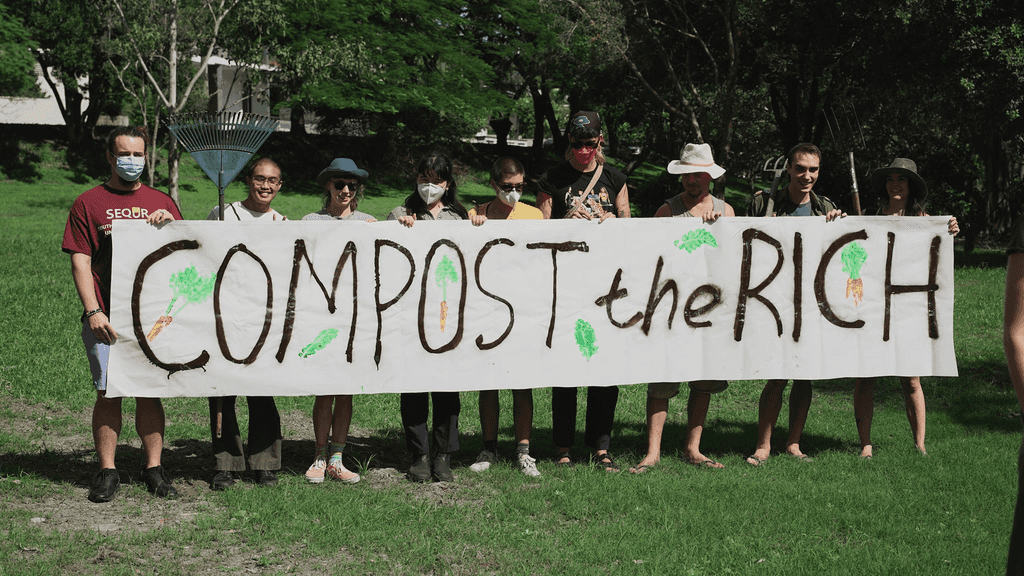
(140, 336)
(819, 279)
(931, 287)
(221, 339)
(381, 307)
(614, 293)
(457, 338)
(511, 313)
(749, 235)
(555, 249)
(289, 316)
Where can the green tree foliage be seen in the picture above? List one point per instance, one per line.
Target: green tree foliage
(400, 68)
(16, 61)
(69, 36)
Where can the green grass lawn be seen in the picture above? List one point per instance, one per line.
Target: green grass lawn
(899, 513)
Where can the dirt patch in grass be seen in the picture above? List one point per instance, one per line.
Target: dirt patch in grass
(46, 488)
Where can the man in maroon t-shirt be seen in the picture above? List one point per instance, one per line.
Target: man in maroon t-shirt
(87, 240)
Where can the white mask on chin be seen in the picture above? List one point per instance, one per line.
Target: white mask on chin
(430, 193)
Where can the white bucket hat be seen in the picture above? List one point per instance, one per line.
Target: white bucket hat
(696, 158)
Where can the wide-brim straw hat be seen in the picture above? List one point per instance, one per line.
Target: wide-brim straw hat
(342, 167)
(696, 158)
(904, 166)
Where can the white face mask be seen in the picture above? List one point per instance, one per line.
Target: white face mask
(430, 193)
(130, 167)
(510, 198)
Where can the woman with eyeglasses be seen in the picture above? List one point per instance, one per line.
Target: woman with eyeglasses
(584, 187)
(435, 198)
(343, 184)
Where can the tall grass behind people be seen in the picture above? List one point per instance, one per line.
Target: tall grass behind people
(584, 187)
(343, 183)
(507, 181)
(435, 197)
(903, 193)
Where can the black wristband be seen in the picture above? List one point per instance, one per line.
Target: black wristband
(92, 313)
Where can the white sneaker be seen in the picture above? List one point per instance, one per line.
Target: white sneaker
(483, 461)
(527, 465)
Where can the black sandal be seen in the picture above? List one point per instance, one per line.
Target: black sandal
(605, 461)
(567, 464)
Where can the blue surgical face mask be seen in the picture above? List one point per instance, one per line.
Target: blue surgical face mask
(130, 167)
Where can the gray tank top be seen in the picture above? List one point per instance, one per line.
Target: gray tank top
(675, 203)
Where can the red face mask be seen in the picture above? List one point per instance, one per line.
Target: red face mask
(583, 156)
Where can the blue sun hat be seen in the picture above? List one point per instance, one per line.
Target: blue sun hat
(342, 167)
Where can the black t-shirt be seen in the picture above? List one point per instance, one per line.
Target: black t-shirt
(566, 184)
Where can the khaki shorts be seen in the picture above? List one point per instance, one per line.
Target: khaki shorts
(666, 390)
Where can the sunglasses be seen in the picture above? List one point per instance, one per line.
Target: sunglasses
(590, 144)
(340, 185)
(510, 187)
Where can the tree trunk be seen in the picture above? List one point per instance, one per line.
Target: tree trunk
(549, 113)
(297, 116)
(538, 122)
(172, 151)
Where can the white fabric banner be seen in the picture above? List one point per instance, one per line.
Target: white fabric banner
(298, 308)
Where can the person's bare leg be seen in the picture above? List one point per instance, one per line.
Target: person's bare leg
(913, 394)
(322, 417)
(696, 413)
(489, 407)
(149, 423)
(106, 428)
(657, 414)
(342, 419)
(799, 406)
(522, 415)
(864, 412)
(768, 408)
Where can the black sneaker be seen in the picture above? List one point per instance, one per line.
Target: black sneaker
(266, 478)
(222, 480)
(158, 483)
(443, 467)
(419, 471)
(104, 485)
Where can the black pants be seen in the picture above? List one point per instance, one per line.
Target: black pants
(264, 439)
(1015, 561)
(601, 403)
(415, 407)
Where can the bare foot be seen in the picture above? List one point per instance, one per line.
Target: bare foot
(647, 462)
(865, 451)
(757, 458)
(794, 451)
(698, 459)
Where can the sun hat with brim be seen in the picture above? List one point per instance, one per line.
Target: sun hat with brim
(904, 166)
(342, 167)
(696, 158)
